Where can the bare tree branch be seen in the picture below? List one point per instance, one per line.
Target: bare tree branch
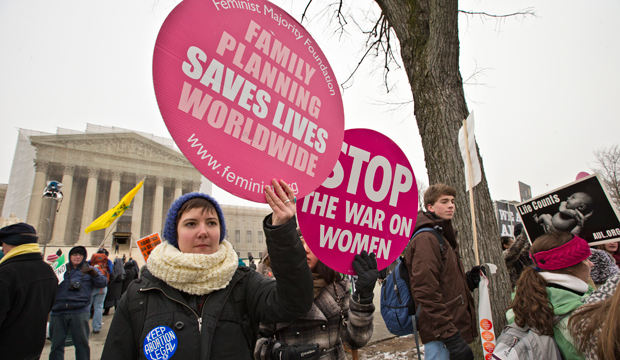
(379, 39)
(524, 12)
(303, 16)
(608, 167)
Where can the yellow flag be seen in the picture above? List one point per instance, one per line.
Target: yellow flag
(114, 213)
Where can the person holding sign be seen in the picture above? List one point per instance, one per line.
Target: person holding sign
(335, 317)
(27, 291)
(193, 301)
(547, 294)
(439, 285)
(71, 310)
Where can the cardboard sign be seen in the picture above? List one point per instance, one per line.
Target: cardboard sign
(147, 245)
(525, 191)
(582, 207)
(507, 218)
(248, 95)
(370, 202)
(60, 267)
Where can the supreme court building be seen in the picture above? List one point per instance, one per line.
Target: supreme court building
(97, 167)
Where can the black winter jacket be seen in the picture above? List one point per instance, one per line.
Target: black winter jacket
(228, 325)
(27, 292)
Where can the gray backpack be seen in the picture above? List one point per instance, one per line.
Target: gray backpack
(521, 343)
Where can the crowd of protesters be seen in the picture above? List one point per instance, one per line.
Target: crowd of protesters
(195, 299)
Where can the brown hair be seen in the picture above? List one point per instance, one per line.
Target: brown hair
(327, 273)
(506, 241)
(434, 192)
(531, 304)
(196, 203)
(324, 271)
(588, 319)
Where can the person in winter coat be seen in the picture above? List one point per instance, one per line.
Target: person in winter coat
(264, 266)
(613, 250)
(604, 266)
(115, 286)
(554, 288)
(193, 301)
(99, 294)
(336, 316)
(596, 326)
(71, 309)
(516, 254)
(439, 284)
(27, 290)
(131, 274)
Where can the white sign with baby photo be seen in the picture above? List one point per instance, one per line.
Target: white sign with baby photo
(582, 208)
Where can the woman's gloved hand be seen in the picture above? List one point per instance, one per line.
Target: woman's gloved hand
(282, 351)
(367, 274)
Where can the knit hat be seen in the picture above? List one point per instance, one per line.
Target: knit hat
(561, 257)
(78, 250)
(170, 230)
(18, 234)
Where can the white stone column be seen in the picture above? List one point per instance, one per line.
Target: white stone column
(136, 217)
(178, 188)
(90, 201)
(60, 221)
(36, 198)
(158, 204)
(115, 196)
(195, 186)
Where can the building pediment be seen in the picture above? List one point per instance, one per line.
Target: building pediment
(88, 147)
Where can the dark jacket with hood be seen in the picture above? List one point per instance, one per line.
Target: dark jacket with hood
(227, 327)
(77, 300)
(438, 283)
(131, 272)
(27, 291)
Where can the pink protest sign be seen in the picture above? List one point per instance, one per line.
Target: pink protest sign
(247, 95)
(369, 202)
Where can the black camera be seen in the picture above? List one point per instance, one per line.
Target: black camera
(75, 286)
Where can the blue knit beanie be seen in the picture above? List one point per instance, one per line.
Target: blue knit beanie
(170, 230)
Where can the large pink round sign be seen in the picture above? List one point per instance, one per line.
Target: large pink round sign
(248, 96)
(369, 202)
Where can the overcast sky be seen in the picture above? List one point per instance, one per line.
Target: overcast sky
(546, 95)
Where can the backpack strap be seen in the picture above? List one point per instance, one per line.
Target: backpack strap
(415, 330)
(435, 231)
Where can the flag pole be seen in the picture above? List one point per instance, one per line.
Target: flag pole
(108, 234)
(470, 177)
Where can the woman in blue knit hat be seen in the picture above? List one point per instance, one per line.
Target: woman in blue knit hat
(194, 302)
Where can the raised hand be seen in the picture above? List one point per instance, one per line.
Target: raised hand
(281, 199)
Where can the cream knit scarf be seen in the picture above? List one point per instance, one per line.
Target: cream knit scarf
(195, 274)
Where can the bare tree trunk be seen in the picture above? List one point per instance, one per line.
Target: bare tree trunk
(428, 34)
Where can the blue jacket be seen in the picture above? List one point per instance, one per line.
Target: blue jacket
(76, 301)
